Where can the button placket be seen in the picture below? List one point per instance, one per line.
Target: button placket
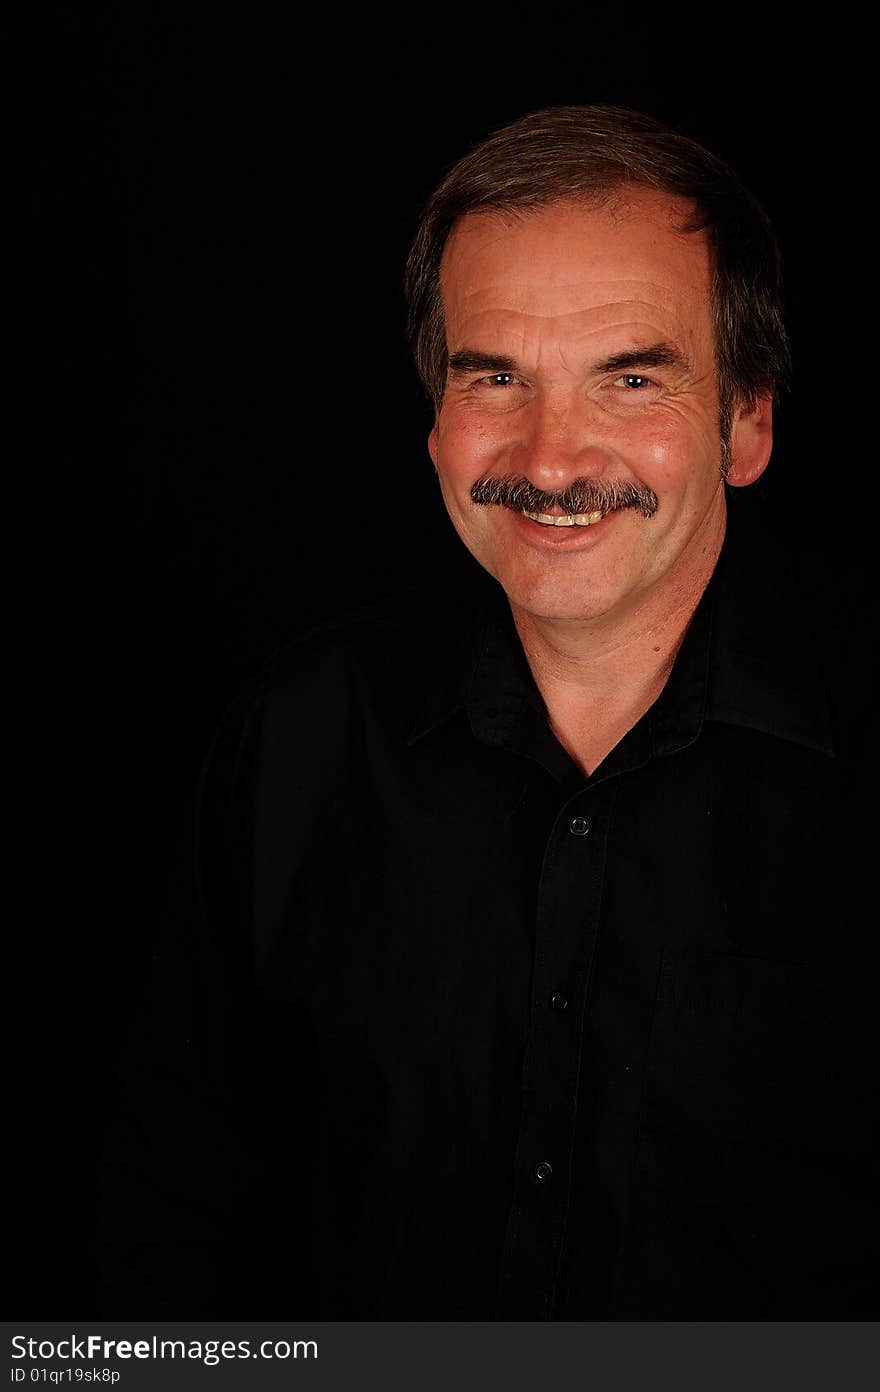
(569, 900)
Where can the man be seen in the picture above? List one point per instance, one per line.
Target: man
(528, 967)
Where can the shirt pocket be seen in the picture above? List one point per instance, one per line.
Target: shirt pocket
(741, 1049)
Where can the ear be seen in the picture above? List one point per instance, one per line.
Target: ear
(434, 441)
(751, 441)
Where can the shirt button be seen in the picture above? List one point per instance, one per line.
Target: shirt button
(559, 1001)
(542, 1172)
(579, 826)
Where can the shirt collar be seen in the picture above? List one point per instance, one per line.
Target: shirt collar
(745, 660)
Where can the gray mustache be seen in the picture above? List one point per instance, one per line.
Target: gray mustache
(581, 495)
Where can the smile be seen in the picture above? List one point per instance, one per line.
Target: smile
(577, 519)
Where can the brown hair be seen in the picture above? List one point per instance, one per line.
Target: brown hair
(588, 152)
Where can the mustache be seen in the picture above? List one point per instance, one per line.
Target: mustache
(581, 495)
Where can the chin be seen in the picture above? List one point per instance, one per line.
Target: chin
(557, 602)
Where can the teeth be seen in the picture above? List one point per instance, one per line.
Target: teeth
(578, 519)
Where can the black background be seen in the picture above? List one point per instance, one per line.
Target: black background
(227, 407)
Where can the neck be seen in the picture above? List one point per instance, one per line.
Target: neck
(598, 676)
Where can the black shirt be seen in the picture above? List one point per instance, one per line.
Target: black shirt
(458, 1033)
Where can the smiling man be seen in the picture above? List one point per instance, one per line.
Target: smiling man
(524, 972)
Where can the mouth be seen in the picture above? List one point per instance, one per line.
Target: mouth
(576, 519)
(550, 532)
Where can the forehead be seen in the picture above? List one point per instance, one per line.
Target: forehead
(583, 267)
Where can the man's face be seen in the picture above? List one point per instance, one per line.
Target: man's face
(580, 343)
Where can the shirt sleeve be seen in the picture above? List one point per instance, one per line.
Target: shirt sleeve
(204, 1183)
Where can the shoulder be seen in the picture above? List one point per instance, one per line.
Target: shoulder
(838, 609)
(371, 662)
(808, 610)
(355, 680)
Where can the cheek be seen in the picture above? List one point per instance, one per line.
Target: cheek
(674, 450)
(468, 446)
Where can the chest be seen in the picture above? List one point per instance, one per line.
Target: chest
(447, 887)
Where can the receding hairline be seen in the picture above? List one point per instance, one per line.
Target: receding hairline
(621, 200)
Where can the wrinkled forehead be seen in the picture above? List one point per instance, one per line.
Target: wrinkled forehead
(575, 255)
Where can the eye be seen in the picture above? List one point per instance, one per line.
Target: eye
(500, 379)
(634, 382)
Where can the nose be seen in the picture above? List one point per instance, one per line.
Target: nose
(561, 440)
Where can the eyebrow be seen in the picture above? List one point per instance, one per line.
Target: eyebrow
(656, 355)
(468, 360)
